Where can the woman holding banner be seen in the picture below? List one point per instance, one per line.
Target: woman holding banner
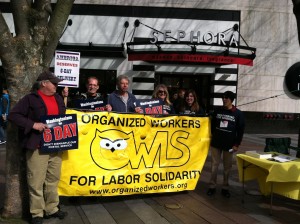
(190, 105)
(161, 92)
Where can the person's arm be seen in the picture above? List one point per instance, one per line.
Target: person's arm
(138, 108)
(213, 121)
(19, 115)
(135, 105)
(4, 108)
(201, 111)
(240, 128)
(172, 110)
(108, 106)
(65, 95)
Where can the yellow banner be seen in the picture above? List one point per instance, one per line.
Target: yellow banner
(122, 154)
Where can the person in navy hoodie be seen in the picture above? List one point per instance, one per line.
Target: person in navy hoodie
(227, 127)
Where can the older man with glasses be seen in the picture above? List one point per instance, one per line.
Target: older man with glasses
(43, 169)
(92, 87)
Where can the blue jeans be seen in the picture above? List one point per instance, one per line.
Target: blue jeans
(2, 134)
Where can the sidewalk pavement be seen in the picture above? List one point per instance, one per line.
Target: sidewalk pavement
(181, 207)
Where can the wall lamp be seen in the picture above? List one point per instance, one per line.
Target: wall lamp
(69, 23)
(226, 52)
(194, 48)
(158, 47)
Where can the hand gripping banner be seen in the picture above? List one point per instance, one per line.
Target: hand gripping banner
(123, 154)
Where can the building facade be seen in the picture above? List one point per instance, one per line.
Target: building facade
(205, 45)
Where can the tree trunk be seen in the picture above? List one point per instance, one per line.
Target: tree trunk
(16, 190)
(23, 58)
(296, 11)
(16, 202)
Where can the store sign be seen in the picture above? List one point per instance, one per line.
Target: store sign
(191, 58)
(220, 47)
(207, 38)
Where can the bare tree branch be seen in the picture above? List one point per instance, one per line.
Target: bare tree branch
(23, 57)
(41, 16)
(57, 23)
(20, 9)
(5, 40)
(296, 11)
(29, 2)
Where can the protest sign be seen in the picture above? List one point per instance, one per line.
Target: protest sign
(90, 104)
(67, 65)
(61, 134)
(152, 106)
(122, 154)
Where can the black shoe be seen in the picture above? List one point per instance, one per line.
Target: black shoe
(59, 214)
(211, 191)
(37, 220)
(226, 193)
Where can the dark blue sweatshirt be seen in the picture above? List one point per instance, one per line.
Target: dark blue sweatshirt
(227, 128)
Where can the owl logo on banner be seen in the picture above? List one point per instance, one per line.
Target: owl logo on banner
(110, 148)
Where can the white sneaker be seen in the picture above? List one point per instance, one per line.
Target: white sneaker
(2, 142)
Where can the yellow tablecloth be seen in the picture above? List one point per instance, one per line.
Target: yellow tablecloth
(284, 176)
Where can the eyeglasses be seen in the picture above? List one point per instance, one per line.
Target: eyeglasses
(92, 85)
(162, 91)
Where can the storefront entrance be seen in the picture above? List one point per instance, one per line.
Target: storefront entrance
(200, 83)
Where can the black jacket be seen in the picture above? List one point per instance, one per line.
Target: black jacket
(28, 111)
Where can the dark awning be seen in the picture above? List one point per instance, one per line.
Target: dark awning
(93, 50)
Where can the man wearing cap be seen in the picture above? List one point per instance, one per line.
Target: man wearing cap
(227, 129)
(43, 169)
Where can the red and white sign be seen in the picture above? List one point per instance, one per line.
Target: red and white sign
(67, 66)
(192, 58)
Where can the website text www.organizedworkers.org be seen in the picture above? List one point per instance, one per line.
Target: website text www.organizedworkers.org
(138, 190)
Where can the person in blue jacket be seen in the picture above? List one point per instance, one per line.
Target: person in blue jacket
(227, 129)
(121, 100)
